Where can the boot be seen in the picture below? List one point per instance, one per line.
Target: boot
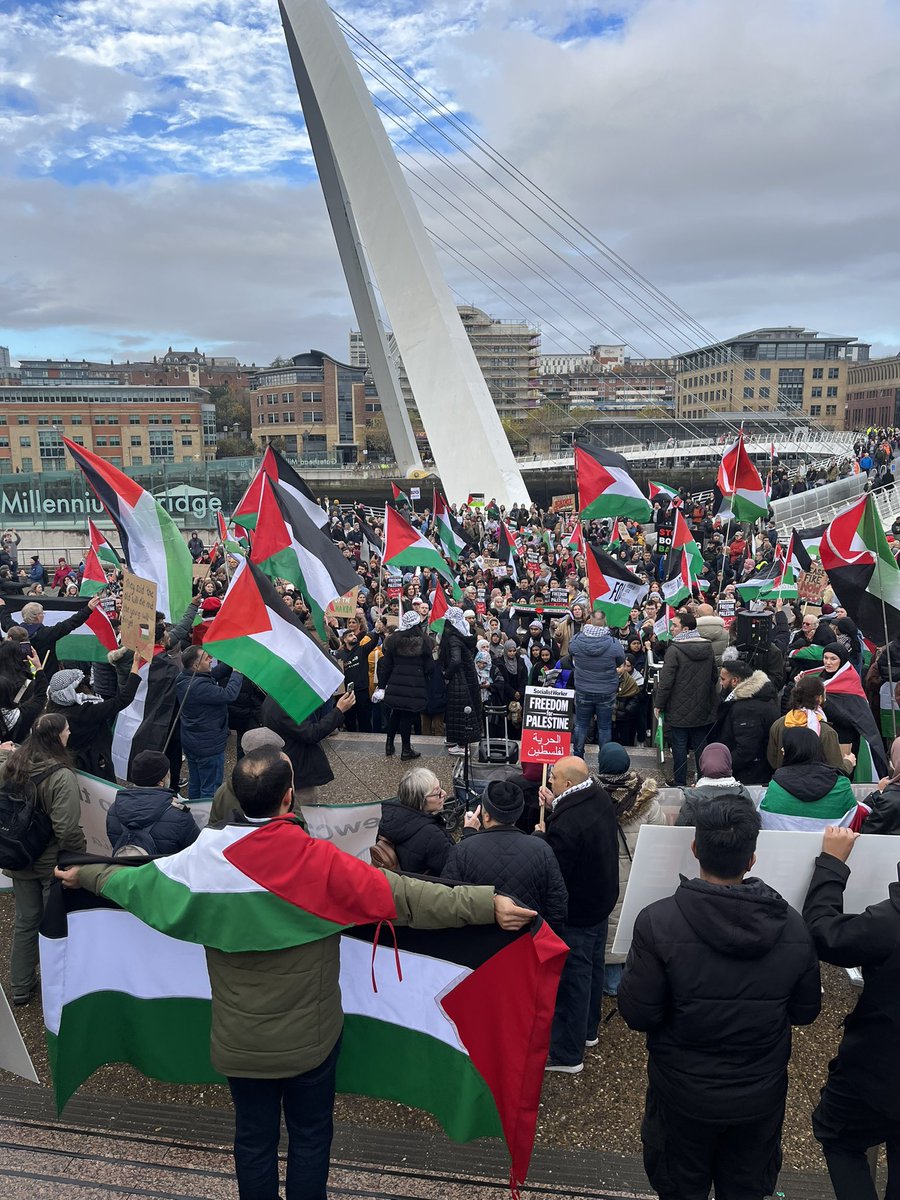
(407, 753)
(389, 746)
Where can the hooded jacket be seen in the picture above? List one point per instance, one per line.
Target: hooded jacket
(716, 977)
(595, 660)
(808, 796)
(747, 715)
(688, 684)
(155, 811)
(868, 1058)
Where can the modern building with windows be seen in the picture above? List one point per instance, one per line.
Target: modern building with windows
(788, 370)
(313, 406)
(873, 394)
(128, 426)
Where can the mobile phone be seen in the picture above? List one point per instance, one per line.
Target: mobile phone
(350, 687)
(25, 649)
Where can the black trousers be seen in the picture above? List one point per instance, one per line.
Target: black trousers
(400, 721)
(684, 1157)
(846, 1126)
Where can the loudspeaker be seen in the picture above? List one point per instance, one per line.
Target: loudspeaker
(752, 631)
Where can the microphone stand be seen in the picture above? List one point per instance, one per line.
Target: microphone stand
(467, 711)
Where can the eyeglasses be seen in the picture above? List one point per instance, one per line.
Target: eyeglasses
(438, 791)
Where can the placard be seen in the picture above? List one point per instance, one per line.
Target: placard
(663, 539)
(812, 584)
(727, 609)
(137, 625)
(784, 860)
(489, 564)
(533, 561)
(345, 606)
(394, 591)
(199, 570)
(415, 493)
(559, 596)
(548, 718)
(560, 504)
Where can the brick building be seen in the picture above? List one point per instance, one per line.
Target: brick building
(873, 394)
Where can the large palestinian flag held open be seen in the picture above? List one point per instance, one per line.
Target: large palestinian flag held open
(862, 570)
(741, 485)
(256, 634)
(151, 541)
(612, 588)
(605, 487)
(847, 708)
(124, 979)
(90, 642)
(405, 547)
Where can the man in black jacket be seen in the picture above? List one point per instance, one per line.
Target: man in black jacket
(312, 769)
(506, 857)
(686, 694)
(716, 976)
(581, 832)
(749, 709)
(860, 1105)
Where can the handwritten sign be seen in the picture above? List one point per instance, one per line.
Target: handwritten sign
(138, 621)
(548, 718)
(559, 504)
(344, 606)
(812, 584)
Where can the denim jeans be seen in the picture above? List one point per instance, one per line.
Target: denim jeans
(577, 1015)
(588, 705)
(308, 1104)
(612, 977)
(205, 775)
(682, 740)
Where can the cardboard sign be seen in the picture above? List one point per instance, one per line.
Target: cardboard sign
(138, 621)
(812, 584)
(345, 606)
(663, 539)
(415, 493)
(784, 860)
(200, 570)
(548, 718)
(489, 564)
(559, 504)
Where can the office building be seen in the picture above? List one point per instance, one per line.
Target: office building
(126, 425)
(788, 369)
(873, 394)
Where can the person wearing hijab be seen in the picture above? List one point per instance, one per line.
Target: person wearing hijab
(540, 666)
(90, 717)
(462, 713)
(716, 780)
(884, 802)
(847, 706)
(806, 793)
(510, 676)
(635, 804)
(402, 672)
(848, 636)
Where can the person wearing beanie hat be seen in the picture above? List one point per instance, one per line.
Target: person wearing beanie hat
(149, 818)
(493, 850)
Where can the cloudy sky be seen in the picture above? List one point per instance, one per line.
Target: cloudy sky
(157, 186)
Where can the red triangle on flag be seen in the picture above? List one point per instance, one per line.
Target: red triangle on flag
(591, 478)
(439, 605)
(243, 610)
(399, 535)
(271, 535)
(598, 585)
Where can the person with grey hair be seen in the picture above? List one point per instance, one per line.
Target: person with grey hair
(412, 824)
(43, 637)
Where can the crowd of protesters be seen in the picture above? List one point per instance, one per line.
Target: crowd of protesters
(718, 973)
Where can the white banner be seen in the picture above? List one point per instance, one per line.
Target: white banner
(13, 1055)
(784, 859)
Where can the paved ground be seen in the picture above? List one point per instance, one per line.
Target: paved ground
(588, 1130)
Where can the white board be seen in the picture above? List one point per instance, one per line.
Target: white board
(13, 1055)
(784, 859)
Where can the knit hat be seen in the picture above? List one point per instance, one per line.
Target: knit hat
(409, 620)
(536, 624)
(613, 760)
(211, 604)
(149, 767)
(61, 689)
(504, 801)
(254, 739)
(470, 612)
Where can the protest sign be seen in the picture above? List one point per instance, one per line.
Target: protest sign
(559, 596)
(344, 606)
(200, 570)
(548, 718)
(559, 504)
(812, 584)
(727, 609)
(13, 1055)
(784, 860)
(352, 827)
(533, 561)
(415, 493)
(394, 591)
(138, 621)
(489, 564)
(663, 539)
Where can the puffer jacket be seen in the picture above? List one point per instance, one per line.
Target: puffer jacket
(421, 839)
(716, 976)
(60, 797)
(403, 669)
(747, 716)
(712, 629)
(155, 811)
(636, 804)
(595, 660)
(204, 712)
(516, 865)
(884, 814)
(688, 685)
(278, 1013)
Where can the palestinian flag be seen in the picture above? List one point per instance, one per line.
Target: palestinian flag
(662, 491)
(146, 722)
(612, 588)
(89, 643)
(846, 705)
(287, 545)
(113, 984)
(679, 584)
(255, 634)
(406, 547)
(280, 471)
(151, 541)
(862, 570)
(101, 544)
(507, 551)
(785, 586)
(94, 578)
(371, 543)
(448, 529)
(575, 541)
(740, 483)
(475, 500)
(399, 498)
(230, 543)
(606, 489)
(805, 545)
(763, 579)
(439, 606)
(683, 539)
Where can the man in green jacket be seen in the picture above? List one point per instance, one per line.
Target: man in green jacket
(276, 1015)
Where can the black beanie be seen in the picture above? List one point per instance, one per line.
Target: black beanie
(504, 801)
(148, 768)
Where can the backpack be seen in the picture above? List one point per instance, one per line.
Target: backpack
(25, 827)
(139, 842)
(383, 854)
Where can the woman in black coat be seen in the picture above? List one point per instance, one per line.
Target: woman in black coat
(457, 659)
(90, 718)
(402, 671)
(413, 826)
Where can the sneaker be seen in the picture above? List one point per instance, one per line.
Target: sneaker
(591, 1043)
(457, 750)
(566, 1068)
